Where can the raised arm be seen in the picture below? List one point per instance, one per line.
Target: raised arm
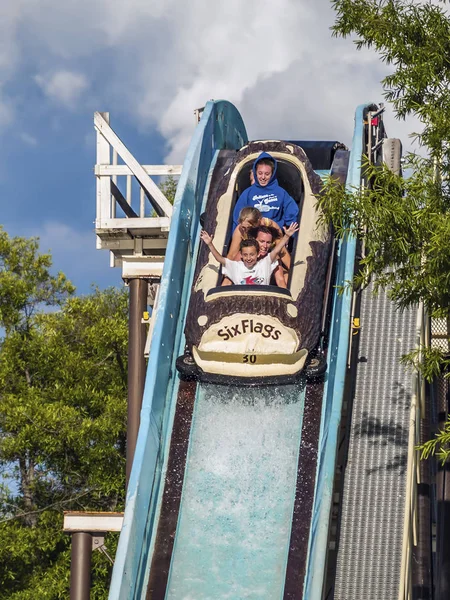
(208, 241)
(235, 243)
(288, 232)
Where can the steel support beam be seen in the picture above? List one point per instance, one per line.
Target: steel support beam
(136, 363)
(443, 503)
(80, 568)
(422, 582)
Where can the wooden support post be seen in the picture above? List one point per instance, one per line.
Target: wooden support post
(103, 183)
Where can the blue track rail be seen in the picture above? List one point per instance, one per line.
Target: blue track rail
(221, 127)
(334, 390)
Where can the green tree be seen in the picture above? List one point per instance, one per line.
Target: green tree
(404, 222)
(62, 419)
(413, 38)
(169, 187)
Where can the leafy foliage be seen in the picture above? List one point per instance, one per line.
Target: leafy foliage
(414, 38)
(405, 226)
(169, 187)
(62, 419)
(439, 445)
(26, 283)
(404, 222)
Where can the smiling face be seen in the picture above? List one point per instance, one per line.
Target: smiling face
(263, 174)
(249, 256)
(264, 242)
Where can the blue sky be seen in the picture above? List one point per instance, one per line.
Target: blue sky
(150, 64)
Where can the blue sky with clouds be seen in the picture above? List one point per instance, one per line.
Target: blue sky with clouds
(150, 64)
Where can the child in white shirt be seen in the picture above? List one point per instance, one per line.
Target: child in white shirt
(248, 270)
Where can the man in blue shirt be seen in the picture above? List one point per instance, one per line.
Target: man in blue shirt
(266, 195)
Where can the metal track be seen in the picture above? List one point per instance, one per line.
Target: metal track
(371, 525)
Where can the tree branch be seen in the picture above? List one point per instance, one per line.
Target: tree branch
(49, 506)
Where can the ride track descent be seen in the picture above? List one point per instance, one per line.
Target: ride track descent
(230, 492)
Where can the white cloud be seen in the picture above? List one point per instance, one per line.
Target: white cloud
(276, 62)
(154, 62)
(9, 57)
(6, 111)
(157, 61)
(63, 87)
(28, 139)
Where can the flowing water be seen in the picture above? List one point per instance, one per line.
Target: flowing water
(235, 518)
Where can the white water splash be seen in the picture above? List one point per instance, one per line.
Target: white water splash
(235, 516)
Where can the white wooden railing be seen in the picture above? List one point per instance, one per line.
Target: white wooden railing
(132, 213)
(434, 333)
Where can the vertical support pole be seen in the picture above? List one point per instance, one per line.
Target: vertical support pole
(103, 182)
(443, 504)
(80, 568)
(114, 179)
(142, 203)
(129, 189)
(369, 136)
(422, 552)
(136, 363)
(198, 114)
